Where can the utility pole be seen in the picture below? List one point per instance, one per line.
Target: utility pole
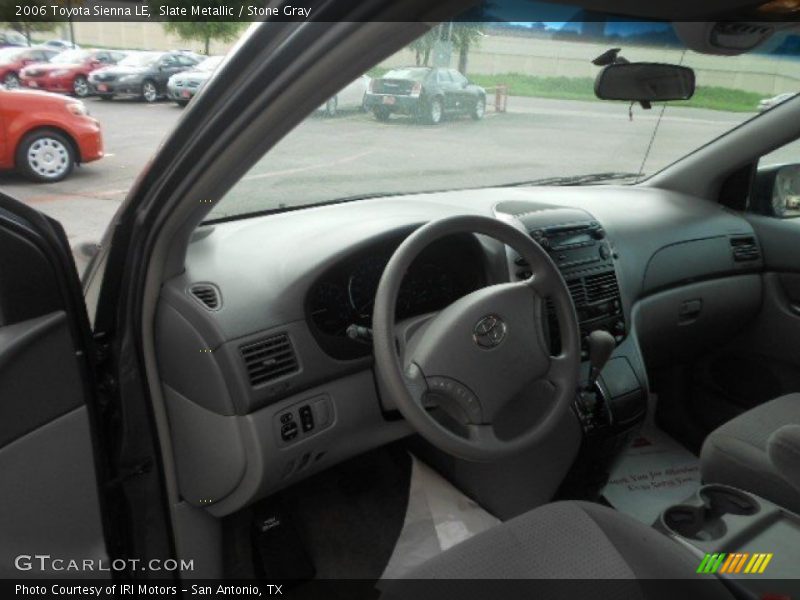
(71, 27)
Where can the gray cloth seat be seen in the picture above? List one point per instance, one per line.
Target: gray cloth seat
(564, 541)
(737, 453)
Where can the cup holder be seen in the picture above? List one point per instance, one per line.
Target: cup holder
(725, 500)
(705, 522)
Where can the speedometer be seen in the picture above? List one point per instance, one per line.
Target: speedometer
(363, 284)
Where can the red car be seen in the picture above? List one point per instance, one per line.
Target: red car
(43, 135)
(13, 60)
(69, 71)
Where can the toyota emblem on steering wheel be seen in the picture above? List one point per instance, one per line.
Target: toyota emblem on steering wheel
(489, 332)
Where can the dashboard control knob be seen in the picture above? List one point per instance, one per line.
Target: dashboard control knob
(605, 252)
(599, 233)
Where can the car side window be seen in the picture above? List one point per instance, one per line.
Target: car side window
(776, 189)
(443, 77)
(457, 77)
(186, 61)
(103, 57)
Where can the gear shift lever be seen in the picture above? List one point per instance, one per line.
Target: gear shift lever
(601, 345)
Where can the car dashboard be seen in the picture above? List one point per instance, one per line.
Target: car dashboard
(266, 371)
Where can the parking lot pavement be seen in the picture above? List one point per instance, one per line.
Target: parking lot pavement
(86, 201)
(324, 159)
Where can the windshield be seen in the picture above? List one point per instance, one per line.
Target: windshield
(209, 64)
(140, 59)
(509, 104)
(70, 56)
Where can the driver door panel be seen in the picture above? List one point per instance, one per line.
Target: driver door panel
(50, 503)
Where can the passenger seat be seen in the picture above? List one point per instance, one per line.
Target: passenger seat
(759, 451)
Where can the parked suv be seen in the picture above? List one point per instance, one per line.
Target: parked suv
(69, 71)
(143, 74)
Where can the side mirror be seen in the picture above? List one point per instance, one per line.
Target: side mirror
(644, 82)
(777, 190)
(786, 191)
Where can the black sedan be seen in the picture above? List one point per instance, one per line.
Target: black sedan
(425, 93)
(141, 74)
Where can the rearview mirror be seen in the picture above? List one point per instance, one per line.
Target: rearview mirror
(644, 82)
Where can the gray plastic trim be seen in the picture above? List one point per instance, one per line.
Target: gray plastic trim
(269, 466)
(669, 329)
(209, 453)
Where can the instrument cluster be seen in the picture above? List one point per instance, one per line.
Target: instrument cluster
(345, 296)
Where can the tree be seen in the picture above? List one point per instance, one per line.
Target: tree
(205, 31)
(27, 28)
(201, 31)
(423, 46)
(464, 37)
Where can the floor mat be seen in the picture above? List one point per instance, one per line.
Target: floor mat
(653, 473)
(438, 517)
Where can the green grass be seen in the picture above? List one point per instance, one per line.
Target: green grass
(582, 88)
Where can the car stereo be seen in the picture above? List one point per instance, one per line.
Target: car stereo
(586, 261)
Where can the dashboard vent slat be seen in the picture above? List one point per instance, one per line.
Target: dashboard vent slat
(577, 291)
(207, 294)
(745, 249)
(602, 286)
(269, 359)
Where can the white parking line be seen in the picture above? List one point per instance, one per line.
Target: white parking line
(314, 167)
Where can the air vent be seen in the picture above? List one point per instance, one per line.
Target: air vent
(745, 249)
(577, 291)
(269, 359)
(602, 286)
(207, 294)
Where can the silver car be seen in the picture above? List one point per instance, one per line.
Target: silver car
(768, 103)
(182, 87)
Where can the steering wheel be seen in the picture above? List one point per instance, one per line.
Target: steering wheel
(479, 353)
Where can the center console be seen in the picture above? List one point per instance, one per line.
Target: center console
(586, 260)
(747, 541)
(610, 406)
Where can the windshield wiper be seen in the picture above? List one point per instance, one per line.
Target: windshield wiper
(576, 179)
